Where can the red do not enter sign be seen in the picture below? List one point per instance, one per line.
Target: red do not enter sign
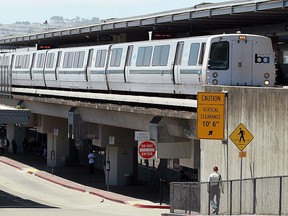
(147, 149)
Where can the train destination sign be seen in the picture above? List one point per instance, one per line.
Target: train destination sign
(210, 115)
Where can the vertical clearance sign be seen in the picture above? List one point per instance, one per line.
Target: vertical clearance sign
(210, 115)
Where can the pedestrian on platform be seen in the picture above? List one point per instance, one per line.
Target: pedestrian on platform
(6, 145)
(14, 146)
(215, 187)
(91, 161)
(1, 147)
(25, 145)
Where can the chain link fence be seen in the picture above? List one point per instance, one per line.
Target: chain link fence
(261, 196)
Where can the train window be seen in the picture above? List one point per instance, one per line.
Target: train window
(160, 55)
(17, 61)
(219, 56)
(5, 60)
(78, 59)
(179, 53)
(144, 56)
(59, 56)
(202, 52)
(193, 55)
(116, 57)
(68, 59)
(100, 58)
(40, 60)
(25, 61)
(50, 60)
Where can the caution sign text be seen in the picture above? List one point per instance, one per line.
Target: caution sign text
(210, 115)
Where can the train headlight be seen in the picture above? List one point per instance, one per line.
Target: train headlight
(214, 81)
(215, 74)
(266, 82)
(266, 75)
(242, 37)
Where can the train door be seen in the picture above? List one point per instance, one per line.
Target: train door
(107, 65)
(88, 66)
(177, 63)
(44, 67)
(127, 63)
(58, 65)
(116, 66)
(32, 65)
(241, 62)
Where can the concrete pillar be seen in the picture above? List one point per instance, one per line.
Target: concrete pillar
(111, 156)
(57, 148)
(18, 133)
(120, 153)
(57, 139)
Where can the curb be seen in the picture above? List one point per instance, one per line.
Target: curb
(72, 185)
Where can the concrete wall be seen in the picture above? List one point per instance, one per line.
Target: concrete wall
(263, 111)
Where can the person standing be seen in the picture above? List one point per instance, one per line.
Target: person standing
(6, 146)
(14, 146)
(1, 147)
(91, 161)
(215, 188)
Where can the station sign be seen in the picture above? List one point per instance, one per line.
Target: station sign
(146, 149)
(241, 137)
(142, 135)
(111, 140)
(210, 115)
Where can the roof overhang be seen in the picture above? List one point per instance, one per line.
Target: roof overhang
(11, 115)
(199, 19)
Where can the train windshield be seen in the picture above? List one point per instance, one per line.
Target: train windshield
(219, 56)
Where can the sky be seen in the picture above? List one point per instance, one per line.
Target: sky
(40, 10)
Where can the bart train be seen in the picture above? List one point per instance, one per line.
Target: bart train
(174, 66)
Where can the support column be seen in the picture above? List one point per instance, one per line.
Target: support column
(17, 133)
(57, 140)
(57, 148)
(120, 153)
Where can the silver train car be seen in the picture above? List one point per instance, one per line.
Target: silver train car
(173, 66)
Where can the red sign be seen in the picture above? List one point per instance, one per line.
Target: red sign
(146, 149)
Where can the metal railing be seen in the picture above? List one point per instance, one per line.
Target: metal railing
(264, 196)
(5, 81)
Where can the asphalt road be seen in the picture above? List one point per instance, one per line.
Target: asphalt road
(24, 194)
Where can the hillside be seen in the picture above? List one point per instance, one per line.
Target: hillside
(56, 22)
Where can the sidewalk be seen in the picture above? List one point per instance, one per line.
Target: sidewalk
(76, 177)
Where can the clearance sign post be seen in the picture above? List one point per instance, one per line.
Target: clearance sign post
(210, 115)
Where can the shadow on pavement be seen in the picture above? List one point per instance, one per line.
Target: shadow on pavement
(80, 174)
(11, 201)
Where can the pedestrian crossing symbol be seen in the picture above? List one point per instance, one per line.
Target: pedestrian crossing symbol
(241, 137)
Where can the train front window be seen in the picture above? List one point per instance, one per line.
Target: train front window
(194, 50)
(219, 56)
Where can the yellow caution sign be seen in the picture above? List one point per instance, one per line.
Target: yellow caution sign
(241, 137)
(210, 115)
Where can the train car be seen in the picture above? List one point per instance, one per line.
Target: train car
(72, 68)
(168, 66)
(51, 71)
(97, 67)
(174, 66)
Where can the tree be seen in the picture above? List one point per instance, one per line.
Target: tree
(57, 19)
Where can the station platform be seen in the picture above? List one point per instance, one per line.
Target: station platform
(77, 177)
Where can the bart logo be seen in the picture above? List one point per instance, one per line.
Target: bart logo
(262, 59)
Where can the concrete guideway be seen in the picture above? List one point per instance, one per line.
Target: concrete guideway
(82, 188)
(110, 97)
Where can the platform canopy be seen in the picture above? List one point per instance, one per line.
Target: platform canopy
(12, 115)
